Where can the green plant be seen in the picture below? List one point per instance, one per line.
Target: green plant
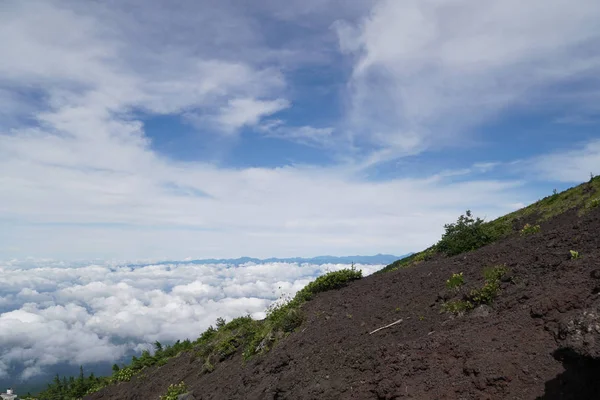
(411, 260)
(483, 295)
(162, 361)
(397, 309)
(457, 306)
(455, 281)
(594, 203)
(174, 391)
(466, 234)
(486, 294)
(494, 274)
(329, 281)
(574, 254)
(529, 229)
(220, 323)
(491, 287)
(421, 318)
(208, 366)
(123, 375)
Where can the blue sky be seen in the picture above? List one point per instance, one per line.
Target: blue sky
(138, 129)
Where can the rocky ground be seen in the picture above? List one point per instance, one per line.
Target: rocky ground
(539, 339)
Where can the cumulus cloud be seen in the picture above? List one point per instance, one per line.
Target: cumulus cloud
(98, 313)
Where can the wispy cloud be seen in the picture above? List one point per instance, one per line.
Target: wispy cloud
(573, 164)
(426, 72)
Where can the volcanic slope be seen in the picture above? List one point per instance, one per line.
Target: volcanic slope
(538, 339)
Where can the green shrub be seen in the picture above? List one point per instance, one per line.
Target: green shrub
(208, 366)
(226, 347)
(486, 294)
(455, 281)
(594, 203)
(574, 254)
(483, 295)
(174, 391)
(466, 234)
(530, 229)
(329, 281)
(285, 317)
(220, 323)
(496, 273)
(124, 374)
(162, 361)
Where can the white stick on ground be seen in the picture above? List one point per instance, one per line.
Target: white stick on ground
(387, 326)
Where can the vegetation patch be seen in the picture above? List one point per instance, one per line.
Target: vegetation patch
(174, 391)
(455, 281)
(462, 236)
(484, 295)
(466, 234)
(529, 229)
(410, 261)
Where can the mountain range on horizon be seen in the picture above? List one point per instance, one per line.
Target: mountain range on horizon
(376, 259)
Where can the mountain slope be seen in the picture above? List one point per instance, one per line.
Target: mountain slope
(539, 338)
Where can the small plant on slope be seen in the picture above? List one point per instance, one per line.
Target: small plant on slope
(574, 254)
(529, 229)
(455, 281)
(174, 391)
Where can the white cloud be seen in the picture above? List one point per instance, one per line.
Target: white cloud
(247, 112)
(309, 135)
(427, 71)
(86, 182)
(569, 165)
(97, 313)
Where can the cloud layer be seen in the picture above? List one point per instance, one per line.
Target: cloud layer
(52, 313)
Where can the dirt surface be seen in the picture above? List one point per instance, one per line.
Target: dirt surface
(540, 339)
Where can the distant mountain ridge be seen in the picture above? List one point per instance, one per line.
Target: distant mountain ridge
(320, 260)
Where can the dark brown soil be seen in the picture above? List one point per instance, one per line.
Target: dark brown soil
(532, 343)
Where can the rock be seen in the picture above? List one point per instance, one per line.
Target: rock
(264, 344)
(186, 396)
(580, 332)
(481, 311)
(443, 296)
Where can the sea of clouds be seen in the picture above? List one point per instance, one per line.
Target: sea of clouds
(54, 313)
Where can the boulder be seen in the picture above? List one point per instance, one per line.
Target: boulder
(580, 332)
